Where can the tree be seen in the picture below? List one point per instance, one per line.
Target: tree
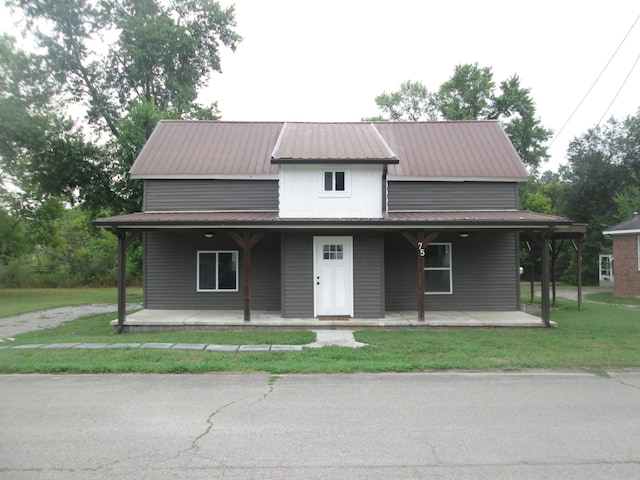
(470, 94)
(601, 186)
(43, 153)
(412, 103)
(159, 55)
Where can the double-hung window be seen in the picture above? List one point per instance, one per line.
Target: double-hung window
(218, 271)
(437, 269)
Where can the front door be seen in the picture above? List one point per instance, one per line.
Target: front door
(333, 276)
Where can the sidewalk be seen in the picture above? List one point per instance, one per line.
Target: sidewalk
(324, 338)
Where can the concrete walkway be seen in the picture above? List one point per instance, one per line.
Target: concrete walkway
(324, 338)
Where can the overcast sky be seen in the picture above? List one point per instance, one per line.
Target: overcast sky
(328, 60)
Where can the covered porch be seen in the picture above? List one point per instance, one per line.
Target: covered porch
(418, 228)
(185, 320)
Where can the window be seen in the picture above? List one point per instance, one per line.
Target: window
(335, 183)
(437, 269)
(217, 271)
(332, 252)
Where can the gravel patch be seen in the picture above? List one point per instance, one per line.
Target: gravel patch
(11, 326)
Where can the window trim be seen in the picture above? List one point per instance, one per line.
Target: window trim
(449, 269)
(235, 257)
(335, 193)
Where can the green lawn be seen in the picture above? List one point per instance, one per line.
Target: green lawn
(15, 301)
(602, 336)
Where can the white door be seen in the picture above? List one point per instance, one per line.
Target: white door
(333, 276)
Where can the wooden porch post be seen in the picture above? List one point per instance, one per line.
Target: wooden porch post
(420, 242)
(246, 241)
(542, 239)
(532, 261)
(578, 248)
(124, 242)
(546, 315)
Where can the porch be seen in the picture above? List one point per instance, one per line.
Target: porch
(183, 320)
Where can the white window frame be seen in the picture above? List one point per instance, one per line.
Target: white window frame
(336, 193)
(449, 269)
(217, 253)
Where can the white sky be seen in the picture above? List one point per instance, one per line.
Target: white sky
(328, 60)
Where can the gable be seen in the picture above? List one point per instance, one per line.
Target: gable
(341, 142)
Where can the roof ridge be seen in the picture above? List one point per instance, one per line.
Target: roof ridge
(338, 122)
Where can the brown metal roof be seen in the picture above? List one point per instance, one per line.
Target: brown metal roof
(270, 219)
(467, 150)
(475, 150)
(204, 148)
(317, 142)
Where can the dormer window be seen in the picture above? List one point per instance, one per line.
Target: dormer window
(335, 183)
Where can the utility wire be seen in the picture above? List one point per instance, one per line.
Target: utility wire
(619, 90)
(596, 81)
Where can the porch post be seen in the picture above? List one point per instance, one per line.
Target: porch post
(122, 280)
(123, 244)
(545, 280)
(578, 248)
(246, 241)
(420, 242)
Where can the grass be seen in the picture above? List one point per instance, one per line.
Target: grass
(16, 301)
(603, 336)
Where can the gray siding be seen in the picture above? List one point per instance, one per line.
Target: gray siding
(485, 273)
(368, 275)
(170, 267)
(452, 195)
(297, 275)
(189, 195)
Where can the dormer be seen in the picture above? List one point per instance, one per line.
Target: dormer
(332, 170)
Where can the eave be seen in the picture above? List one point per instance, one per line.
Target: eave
(269, 220)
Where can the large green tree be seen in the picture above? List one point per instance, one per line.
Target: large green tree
(471, 94)
(126, 64)
(601, 183)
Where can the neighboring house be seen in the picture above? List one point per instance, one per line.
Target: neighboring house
(626, 257)
(330, 219)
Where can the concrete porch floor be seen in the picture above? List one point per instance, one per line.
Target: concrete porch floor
(178, 320)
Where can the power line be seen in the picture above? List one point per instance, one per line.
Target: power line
(619, 90)
(596, 81)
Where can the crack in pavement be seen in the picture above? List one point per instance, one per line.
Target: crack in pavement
(210, 423)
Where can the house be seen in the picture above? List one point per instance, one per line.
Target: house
(337, 220)
(626, 257)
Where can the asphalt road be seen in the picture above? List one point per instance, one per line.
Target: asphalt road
(391, 426)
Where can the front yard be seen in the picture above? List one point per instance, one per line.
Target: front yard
(605, 335)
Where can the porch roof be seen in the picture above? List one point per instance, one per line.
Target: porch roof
(266, 219)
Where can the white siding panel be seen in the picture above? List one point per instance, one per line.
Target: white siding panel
(302, 195)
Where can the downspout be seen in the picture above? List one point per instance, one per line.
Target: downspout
(385, 193)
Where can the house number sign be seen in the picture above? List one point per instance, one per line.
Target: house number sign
(420, 249)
